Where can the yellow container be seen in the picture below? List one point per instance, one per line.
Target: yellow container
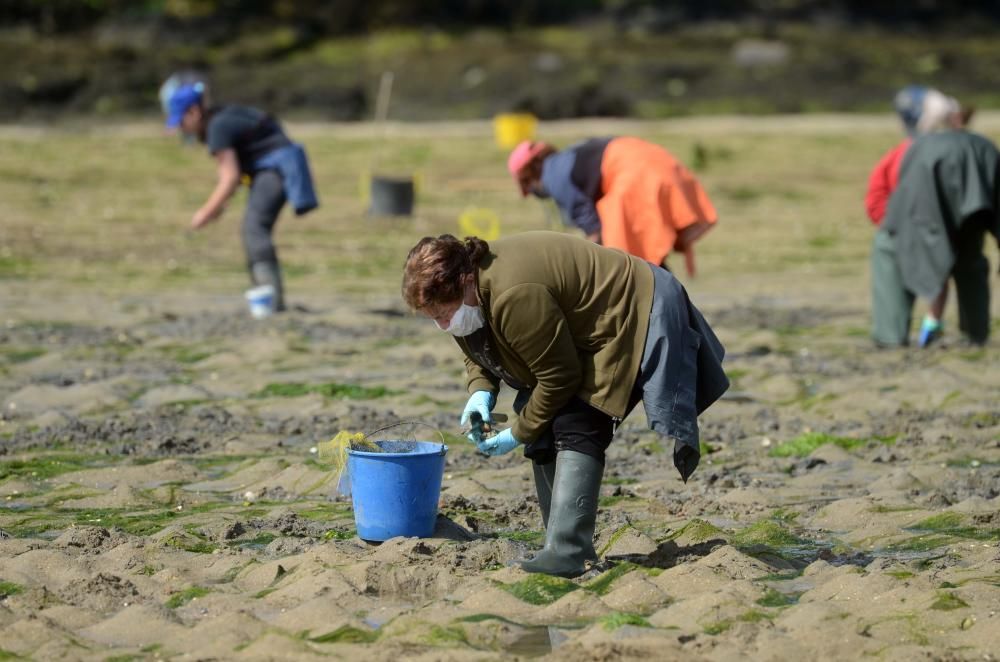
(509, 129)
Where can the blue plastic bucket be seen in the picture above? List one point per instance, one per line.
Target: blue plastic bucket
(395, 493)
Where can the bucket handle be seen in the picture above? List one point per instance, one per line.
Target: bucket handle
(401, 423)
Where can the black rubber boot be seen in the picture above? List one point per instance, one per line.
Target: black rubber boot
(569, 532)
(545, 475)
(269, 273)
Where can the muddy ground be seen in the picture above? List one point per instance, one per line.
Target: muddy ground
(161, 497)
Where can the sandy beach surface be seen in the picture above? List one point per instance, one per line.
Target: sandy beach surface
(161, 496)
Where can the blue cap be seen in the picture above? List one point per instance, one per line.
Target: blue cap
(180, 100)
(909, 103)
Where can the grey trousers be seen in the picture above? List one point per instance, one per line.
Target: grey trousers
(264, 203)
(892, 303)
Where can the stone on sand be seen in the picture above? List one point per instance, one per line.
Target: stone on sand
(165, 395)
(77, 398)
(634, 592)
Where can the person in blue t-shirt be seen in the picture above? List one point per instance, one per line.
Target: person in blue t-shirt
(247, 142)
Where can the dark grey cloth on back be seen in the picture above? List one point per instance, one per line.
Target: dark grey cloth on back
(251, 132)
(946, 180)
(681, 372)
(293, 164)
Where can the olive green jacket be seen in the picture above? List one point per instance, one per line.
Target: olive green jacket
(568, 317)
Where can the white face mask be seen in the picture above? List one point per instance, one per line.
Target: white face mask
(466, 320)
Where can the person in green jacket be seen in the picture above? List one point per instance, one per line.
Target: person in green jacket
(946, 200)
(582, 333)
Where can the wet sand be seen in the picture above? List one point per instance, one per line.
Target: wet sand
(160, 494)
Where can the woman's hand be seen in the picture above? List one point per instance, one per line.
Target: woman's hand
(482, 403)
(502, 443)
(228, 167)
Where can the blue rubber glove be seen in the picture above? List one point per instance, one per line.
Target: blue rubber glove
(504, 442)
(482, 403)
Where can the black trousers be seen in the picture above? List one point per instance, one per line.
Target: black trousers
(576, 427)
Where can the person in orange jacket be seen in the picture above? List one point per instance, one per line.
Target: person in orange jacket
(622, 192)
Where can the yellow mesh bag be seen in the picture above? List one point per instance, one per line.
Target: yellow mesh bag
(334, 452)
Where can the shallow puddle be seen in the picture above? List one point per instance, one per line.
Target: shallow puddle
(537, 641)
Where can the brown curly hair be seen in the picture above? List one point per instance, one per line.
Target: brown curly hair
(435, 266)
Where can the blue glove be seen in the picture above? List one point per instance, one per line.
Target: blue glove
(504, 442)
(482, 403)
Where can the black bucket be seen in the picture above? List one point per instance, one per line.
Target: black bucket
(391, 197)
